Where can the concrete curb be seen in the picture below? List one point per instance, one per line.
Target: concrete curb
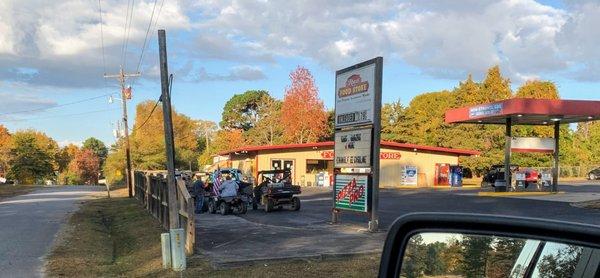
(509, 194)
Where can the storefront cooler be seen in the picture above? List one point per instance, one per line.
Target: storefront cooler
(456, 175)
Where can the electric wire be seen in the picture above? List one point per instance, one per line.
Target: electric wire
(156, 104)
(60, 116)
(128, 32)
(55, 106)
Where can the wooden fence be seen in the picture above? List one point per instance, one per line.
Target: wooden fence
(150, 188)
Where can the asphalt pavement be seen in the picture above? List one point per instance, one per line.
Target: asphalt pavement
(230, 240)
(29, 224)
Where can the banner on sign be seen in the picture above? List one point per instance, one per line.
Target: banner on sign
(353, 148)
(351, 192)
(532, 144)
(355, 96)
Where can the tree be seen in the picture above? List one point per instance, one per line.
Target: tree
(268, 130)
(5, 144)
(97, 147)
(302, 112)
(65, 155)
(415, 256)
(241, 111)
(31, 157)
(475, 254)
(538, 89)
(148, 141)
(394, 125)
(495, 87)
(84, 168)
(503, 258)
(435, 265)
(114, 166)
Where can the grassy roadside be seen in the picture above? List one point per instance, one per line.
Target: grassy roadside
(116, 237)
(7, 190)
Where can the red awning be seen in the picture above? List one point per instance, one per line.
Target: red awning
(525, 111)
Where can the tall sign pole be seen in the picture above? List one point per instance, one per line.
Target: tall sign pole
(357, 140)
(125, 94)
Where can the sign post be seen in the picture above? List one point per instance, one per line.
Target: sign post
(357, 140)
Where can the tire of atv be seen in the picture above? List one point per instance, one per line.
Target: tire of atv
(254, 206)
(211, 206)
(295, 204)
(223, 208)
(243, 208)
(269, 205)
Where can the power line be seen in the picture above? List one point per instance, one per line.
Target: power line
(128, 32)
(61, 116)
(123, 53)
(146, 36)
(55, 106)
(149, 115)
(156, 104)
(102, 38)
(138, 68)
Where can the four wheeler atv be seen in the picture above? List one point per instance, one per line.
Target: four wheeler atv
(276, 190)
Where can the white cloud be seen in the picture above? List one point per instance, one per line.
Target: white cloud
(445, 39)
(237, 73)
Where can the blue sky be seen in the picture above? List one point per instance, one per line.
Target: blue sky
(220, 48)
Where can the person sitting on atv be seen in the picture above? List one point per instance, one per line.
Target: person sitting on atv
(229, 187)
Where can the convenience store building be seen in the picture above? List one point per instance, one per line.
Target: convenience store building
(430, 165)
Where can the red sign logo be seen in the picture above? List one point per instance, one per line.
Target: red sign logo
(354, 85)
(351, 191)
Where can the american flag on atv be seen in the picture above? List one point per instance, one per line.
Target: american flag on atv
(216, 188)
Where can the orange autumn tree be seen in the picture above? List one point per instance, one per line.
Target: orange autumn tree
(85, 166)
(303, 114)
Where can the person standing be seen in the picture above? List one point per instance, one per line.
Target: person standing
(199, 190)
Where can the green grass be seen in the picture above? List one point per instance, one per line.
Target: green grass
(7, 190)
(117, 237)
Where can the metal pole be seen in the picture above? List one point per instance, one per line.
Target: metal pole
(507, 174)
(374, 221)
(556, 151)
(168, 124)
(128, 177)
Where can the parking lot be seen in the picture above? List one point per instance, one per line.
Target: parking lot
(307, 234)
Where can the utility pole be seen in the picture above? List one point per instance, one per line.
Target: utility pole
(176, 234)
(121, 77)
(168, 123)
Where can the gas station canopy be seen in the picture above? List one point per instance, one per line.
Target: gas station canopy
(524, 111)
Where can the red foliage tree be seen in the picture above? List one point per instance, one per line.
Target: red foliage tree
(303, 114)
(86, 166)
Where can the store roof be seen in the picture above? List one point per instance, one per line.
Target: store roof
(329, 144)
(524, 111)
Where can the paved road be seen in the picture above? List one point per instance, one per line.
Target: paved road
(29, 224)
(316, 206)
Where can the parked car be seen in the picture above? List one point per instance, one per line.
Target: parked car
(496, 172)
(594, 174)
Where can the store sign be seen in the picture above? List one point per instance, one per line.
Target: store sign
(532, 144)
(409, 175)
(351, 192)
(485, 110)
(353, 148)
(355, 96)
(382, 155)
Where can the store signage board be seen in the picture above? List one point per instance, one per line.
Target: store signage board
(355, 96)
(351, 192)
(353, 148)
(485, 110)
(532, 144)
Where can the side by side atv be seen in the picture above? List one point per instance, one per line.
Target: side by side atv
(226, 205)
(276, 190)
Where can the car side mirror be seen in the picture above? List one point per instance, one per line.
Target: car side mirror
(477, 245)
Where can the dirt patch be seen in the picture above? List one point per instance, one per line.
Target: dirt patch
(594, 204)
